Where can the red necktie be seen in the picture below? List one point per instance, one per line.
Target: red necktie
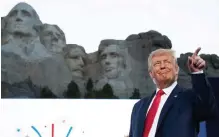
(152, 112)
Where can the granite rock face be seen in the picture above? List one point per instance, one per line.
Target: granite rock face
(141, 45)
(3, 31)
(157, 39)
(123, 63)
(23, 54)
(20, 37)
(184, 79)
(52, 37)
(51, 72)
(212, 69)
(24, 89)
(113, 67)
(35, 56)
(212, 60)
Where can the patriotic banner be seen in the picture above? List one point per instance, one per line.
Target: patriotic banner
(65, 118)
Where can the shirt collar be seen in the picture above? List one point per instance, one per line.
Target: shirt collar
(169, 89)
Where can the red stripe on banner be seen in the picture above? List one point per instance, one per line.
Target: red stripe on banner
(52, 130)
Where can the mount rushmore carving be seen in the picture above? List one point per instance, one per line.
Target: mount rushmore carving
(37, 61)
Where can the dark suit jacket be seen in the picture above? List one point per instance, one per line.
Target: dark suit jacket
(182, 112)
(212, 125)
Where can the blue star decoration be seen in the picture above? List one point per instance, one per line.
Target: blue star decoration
(18, 130)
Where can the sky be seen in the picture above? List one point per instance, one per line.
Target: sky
(189, 24)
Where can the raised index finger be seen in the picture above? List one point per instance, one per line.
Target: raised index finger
(196, 51)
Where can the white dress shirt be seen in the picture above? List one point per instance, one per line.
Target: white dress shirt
(163, 99)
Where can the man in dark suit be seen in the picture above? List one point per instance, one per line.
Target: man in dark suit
(173, 111)
(212, 125)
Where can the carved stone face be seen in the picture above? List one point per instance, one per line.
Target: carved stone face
(52, 39)
(21, 19)
(111, 61)
(75, 62)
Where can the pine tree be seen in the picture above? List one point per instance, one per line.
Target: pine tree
(73, 91)
(47, 93)
(90, 92)
(106, 92)
(97, 94)
(135, 94)
(89, 85)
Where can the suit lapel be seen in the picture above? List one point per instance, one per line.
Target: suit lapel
(168, 104)
(142, 113)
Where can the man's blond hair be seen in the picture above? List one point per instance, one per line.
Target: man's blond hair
(160, 52)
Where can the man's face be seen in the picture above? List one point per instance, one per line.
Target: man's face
(111, 61)
(21, 19)
(164, 69)
(75, 61)
(52, 39)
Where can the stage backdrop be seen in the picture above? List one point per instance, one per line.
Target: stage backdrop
(67, 118)
(70, 118)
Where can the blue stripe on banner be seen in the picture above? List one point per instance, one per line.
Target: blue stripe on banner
(202, 132)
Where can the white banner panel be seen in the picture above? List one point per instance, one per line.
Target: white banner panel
(65, 118)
